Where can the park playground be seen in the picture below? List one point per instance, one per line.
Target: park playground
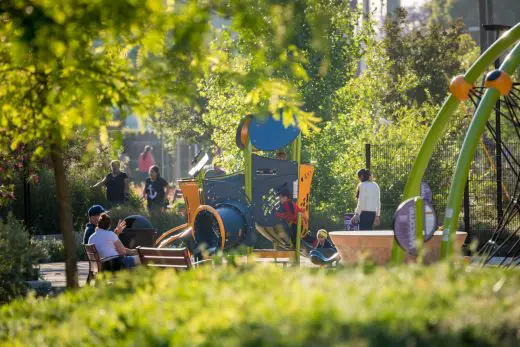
(259, 173)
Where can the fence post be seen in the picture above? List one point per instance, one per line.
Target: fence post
(466, 207)
(368, 155)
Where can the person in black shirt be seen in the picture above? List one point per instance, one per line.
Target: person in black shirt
(155, 190)
(116, 183)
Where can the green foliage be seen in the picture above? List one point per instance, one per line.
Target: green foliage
(390, 106)
(53, 250)
(424, 58)
(18, 257)
(315, 67)
(270, 306)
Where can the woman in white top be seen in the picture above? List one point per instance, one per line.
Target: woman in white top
(108, 244)
(368, 207)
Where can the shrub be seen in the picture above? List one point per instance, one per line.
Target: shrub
(18, 257)
(269, 306)
(53, 251)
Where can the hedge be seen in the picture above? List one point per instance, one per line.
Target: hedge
(270, 306)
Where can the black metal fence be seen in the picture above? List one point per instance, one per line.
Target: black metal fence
(391, 165)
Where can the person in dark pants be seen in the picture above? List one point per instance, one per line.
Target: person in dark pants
(155, 190)
(289, 213)
(117, 184)
(369, 205)
(93, 214)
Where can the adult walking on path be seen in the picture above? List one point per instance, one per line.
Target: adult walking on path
(368, 208)
(145, 162)
(155, 190)
(116, 183)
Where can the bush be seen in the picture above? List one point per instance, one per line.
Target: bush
(53, 250)
(18, 257)
(269, 306)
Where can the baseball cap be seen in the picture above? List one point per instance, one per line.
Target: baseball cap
(94, 210)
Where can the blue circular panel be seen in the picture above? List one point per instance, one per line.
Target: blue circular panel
(267, 134)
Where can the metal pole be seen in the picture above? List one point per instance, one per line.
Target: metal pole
(162, 146)
(467, 224)
(419, 223)
(496, 29)
(482, 20)
(498, 154)
(368, 155)
(298, 239)
(489, 19)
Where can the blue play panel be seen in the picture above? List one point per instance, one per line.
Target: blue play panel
(267, 134)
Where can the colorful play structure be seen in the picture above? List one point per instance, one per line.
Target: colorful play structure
(497, 94)
(227, 211)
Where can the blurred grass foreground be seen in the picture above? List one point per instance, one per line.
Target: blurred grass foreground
(268, 306)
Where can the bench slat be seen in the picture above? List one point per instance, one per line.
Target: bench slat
(164, 257)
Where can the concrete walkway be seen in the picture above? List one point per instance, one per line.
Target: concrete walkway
(55, 273)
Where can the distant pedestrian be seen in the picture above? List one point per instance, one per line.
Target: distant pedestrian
(145, 162)
(155, 190)
(116, 183)
(368, 208)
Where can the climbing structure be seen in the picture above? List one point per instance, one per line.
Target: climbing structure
(230, 210)
(498, 93)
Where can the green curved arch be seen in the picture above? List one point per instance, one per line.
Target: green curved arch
(413, 184)
(475, 130)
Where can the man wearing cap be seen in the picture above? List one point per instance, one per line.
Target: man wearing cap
(93, 218)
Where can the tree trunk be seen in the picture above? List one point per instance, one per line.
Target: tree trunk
(65, 215)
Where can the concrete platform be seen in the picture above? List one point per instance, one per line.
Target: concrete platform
(377, 246)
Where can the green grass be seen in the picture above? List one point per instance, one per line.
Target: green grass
(269, 306)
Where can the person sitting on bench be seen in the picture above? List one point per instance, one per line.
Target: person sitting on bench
(108, 243)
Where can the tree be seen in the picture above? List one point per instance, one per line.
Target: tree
(66, 64)
(390, 105)
(316, 68)
(62, 66)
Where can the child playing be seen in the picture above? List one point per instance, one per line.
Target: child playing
(321, 240)
(289, 213)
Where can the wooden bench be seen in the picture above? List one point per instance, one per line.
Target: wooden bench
(176, 258)
(97, 264)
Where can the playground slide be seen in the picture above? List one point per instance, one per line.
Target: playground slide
(226, 211)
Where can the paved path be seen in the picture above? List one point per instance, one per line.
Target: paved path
(55, 273)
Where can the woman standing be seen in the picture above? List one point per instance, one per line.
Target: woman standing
(116, 183)
(145, 162)
(369, 205)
